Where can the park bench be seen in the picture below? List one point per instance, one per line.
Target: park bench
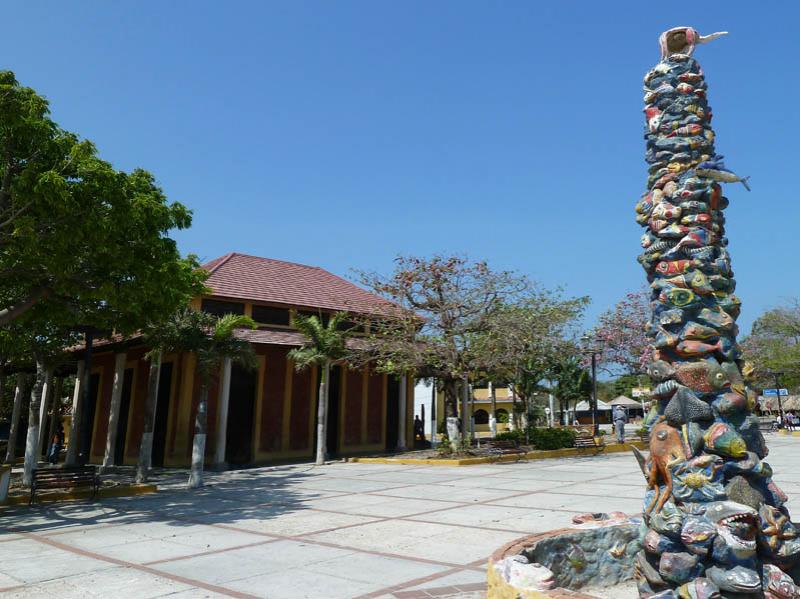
(505, 447)
(767, 424)
(585, 439)
(64, 478)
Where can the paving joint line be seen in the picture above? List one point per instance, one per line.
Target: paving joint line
(210, 552)
(142, 568)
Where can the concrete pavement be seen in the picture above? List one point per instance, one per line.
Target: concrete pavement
(342, 530)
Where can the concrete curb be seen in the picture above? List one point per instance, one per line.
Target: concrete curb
(115, 491)
(786, 433)
(570, 452)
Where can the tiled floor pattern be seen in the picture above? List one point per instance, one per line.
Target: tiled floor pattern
(342, 530)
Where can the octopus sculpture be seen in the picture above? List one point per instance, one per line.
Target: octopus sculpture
(715, 522)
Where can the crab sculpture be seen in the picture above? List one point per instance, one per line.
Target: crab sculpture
(716, 525)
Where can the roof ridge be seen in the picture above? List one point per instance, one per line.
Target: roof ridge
(262, 258)
(222, 261)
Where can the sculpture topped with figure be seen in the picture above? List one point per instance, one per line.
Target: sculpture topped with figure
(716, 522)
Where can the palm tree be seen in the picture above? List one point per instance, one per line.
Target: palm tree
(324, 345)
(573, 382)
(183, 330)
(216, 344)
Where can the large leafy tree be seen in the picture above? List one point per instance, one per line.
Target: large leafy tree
(527, 340)
(439, 310)
(85, 239)
(774, 346)
(324, 345)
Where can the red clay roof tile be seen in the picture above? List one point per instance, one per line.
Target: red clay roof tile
(239, 276)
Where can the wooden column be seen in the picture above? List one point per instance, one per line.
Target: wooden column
(74, 432)
(221, 438)
(113, 412)
(401, 408)
(11, 452)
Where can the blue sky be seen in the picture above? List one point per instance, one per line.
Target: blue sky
(342, 134)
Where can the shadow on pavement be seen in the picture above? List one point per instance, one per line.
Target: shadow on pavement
(226, 498)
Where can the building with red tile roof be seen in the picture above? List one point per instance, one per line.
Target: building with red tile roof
(260, 417)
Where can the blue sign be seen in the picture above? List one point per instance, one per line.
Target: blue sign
(784, 392)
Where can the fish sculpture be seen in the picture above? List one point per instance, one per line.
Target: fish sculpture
(717, 172)
(691, 348)
(723, 440)
(716, 524)
(705, 376)
(694, 330)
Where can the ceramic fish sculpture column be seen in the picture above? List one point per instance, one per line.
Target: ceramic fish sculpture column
(716, 525)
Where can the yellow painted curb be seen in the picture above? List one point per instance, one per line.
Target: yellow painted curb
(531, 455)
(116, 491)
(786, 433)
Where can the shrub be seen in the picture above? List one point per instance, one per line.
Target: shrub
(518, 436)
(541, 438)
(552, 438)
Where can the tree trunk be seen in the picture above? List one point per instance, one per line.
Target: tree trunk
(199, 441)
(526, 423)
(84, 427)
(11, 451)
(55, 415)
(47, 394)
(450, 397)
(146, 447)
(322, 413)
(464, 407)
(11, 313)
(450, 387)
(32, 440)
(493, 415)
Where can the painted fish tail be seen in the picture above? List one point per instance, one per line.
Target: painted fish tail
(744, 182)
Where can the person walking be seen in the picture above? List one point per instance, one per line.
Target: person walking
(620, 418)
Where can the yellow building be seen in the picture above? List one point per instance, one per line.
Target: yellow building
(480, 405)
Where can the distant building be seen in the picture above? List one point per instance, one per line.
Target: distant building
(480, 405)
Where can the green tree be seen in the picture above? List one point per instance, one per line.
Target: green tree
(573, 382)
(774, 346)
(527, 339)
(437, 311)
(89, 241)
(218, 343)
(324, 346)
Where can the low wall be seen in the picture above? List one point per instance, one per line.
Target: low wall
(598, 552)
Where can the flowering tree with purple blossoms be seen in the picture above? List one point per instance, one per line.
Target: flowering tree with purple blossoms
(622, 332)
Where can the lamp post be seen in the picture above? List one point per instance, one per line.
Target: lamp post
(777, 376)
(592, 347)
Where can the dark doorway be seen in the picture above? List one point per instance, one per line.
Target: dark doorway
(334, 407)
(91, 409)
(162, 414)
(392, 409)
(241, 414)
(122, 423)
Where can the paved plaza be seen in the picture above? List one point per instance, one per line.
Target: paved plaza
(342, 530)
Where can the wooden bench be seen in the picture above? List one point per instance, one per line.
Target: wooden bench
(64, 478)
(767, 424)
(505, 447)
(586, 440)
